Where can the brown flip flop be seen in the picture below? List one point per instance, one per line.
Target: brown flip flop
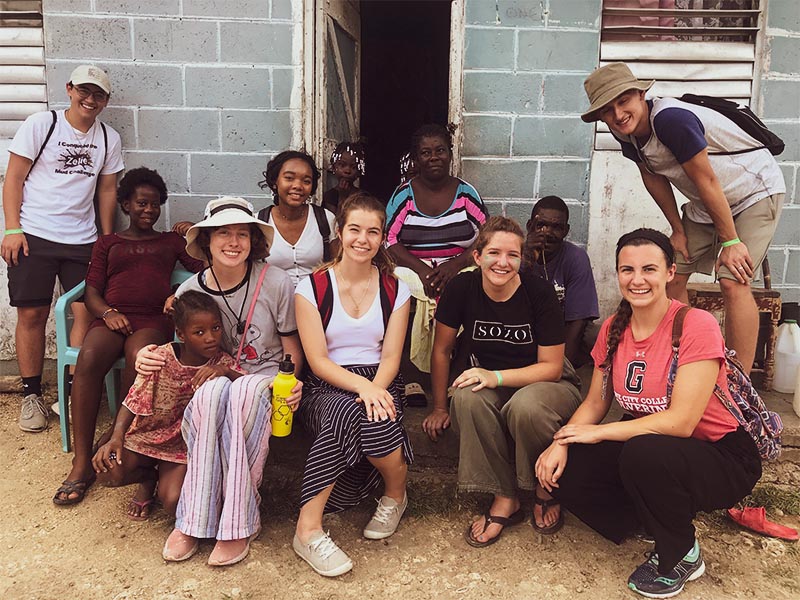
(546, 504)
(514, 519)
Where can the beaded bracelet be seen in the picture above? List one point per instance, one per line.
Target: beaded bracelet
(106, 311)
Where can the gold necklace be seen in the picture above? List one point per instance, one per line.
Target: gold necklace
(358, 302)
(303, 214)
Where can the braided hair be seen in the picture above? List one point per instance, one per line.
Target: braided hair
(622, 317)
(356, 149)
(191, 302)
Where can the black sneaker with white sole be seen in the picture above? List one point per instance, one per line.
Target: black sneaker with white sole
(647, 581)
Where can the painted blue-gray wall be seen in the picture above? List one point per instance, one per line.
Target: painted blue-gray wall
(202, 89)
(780, 89)
(524, 65)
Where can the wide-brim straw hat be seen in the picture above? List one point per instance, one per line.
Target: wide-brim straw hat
(229, 211)
(608, 82)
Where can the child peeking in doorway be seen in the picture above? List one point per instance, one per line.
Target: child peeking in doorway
(347, 163)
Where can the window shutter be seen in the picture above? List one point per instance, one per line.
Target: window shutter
(698, 46)
(22, 82)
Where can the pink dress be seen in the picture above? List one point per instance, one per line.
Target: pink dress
(158, 400)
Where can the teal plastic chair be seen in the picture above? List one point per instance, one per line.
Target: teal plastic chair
(68, 355)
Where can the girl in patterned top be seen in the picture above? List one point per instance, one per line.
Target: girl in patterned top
(146, 445)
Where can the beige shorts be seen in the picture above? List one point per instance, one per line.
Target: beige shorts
(755, 226)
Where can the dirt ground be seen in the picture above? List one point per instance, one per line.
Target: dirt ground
(92, 551)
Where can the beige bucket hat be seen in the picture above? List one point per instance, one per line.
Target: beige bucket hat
(228, 210)
(608, 82)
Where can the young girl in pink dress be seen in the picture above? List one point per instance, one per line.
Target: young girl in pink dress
(146, 445)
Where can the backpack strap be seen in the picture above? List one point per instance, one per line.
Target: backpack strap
(324, 231)
(677, 332)
(323, 294)
(46, 139)
(105, 143)
(263, 214)
(677, 326)
(388, 291)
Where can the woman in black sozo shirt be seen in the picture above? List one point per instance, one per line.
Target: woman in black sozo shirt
(520, 389)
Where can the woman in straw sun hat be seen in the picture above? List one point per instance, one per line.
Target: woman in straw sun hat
(228, 422)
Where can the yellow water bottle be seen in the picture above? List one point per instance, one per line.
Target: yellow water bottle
(281, 389)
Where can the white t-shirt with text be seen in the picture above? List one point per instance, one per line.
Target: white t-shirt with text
(58, 195)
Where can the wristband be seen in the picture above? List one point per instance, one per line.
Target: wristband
(12, 231)
(106, 311)
(732, 242)
(499, 378)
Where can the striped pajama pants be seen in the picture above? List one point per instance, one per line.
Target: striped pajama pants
(226, 427)
(344, 438)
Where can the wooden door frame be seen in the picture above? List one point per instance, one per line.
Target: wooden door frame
(455, 100)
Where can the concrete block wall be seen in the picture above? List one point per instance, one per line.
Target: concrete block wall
(780, 102)
(204, 91)
(524, 66)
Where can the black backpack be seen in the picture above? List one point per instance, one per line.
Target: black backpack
(744, 118)
(322, 223)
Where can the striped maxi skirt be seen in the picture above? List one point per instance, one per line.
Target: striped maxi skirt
(226, 427)
(344, 438)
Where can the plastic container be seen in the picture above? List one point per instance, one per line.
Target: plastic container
(787, 357)
(281, 389)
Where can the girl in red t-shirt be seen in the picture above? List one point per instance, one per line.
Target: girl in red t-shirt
(672, 454)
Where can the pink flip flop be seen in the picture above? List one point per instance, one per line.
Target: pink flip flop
(755, 519)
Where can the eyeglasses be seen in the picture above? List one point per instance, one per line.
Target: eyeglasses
(85, 92)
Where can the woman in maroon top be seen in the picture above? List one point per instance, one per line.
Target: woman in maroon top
(126, 286)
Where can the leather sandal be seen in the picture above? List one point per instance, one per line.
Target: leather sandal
(514, 519)
(546, 504)
(77, 486)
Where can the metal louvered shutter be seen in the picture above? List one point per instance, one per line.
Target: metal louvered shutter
(698, 46)
(22, 82)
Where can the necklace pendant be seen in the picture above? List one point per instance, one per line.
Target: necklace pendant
(240, 328)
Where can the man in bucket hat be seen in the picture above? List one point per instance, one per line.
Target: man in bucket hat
(57, 161)
(734, 186)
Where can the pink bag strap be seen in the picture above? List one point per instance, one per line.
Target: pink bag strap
(250, 312)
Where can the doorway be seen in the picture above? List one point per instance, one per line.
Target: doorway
(386, 67)
(405, 81)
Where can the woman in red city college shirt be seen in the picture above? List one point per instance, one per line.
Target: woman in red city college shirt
(672, 454)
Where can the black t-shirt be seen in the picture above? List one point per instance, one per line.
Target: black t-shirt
(503, 335)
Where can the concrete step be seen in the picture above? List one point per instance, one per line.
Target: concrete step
(442, 455)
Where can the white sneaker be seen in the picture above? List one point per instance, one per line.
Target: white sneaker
(33, 416)
(324, 556)
(386, 518)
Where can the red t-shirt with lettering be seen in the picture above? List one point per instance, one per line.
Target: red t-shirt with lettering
(641, 368)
